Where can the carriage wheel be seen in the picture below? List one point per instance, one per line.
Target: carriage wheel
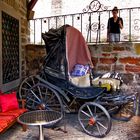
(25, 85)
(42, 97)
(94, 119)
(126, 111)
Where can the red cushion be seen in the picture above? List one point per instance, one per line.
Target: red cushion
(5, 121)
(14, 113)
(3, 125)
(1, 93)
(8, 118)
(8, 102)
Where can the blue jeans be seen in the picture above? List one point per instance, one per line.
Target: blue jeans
(113, 37)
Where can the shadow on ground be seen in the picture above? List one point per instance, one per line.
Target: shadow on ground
(120, 131)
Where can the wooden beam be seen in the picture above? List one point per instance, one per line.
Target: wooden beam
(31, 4)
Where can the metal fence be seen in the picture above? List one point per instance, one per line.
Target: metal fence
(91, 23)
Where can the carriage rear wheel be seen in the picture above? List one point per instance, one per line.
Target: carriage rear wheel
(126, 111)
(43, 97)
(94, 119)
(26, 84)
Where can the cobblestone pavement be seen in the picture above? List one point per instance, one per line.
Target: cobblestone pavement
(120, 131)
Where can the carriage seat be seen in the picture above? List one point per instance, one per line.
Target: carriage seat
(115, 83)
(80, 76)
(81, 81)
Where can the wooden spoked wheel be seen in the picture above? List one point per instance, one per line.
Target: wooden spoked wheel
(94, 119)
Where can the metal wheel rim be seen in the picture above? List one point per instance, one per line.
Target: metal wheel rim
(42, 97)
(98, 124)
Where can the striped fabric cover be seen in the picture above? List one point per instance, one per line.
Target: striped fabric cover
(5, 121)
(9, 117)
(14, 113)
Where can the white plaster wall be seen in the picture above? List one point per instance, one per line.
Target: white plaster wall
(47, 8)
(44, 8)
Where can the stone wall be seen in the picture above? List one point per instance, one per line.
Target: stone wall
(122, 57)
(12, 43)
(35, 55)
(20, 6)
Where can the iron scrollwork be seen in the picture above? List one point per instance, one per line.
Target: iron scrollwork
(94, 27)
(95, 6)
(137, 25)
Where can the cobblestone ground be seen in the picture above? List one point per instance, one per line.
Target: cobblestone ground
(120, 131)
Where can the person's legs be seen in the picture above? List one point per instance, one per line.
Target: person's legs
(111, 37)
(117, 37)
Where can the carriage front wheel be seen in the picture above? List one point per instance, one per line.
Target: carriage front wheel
(42, 97)
(94, 119)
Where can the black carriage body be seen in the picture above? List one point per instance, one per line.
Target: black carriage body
(57, 65)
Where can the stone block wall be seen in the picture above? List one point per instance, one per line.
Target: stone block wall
(121, 57)
(35, 55)
(20, 6)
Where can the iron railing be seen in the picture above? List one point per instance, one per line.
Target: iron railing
(92, 23)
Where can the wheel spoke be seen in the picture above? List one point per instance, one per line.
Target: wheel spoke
(24, 88)
(90, 111)
(98, 129)
(30, 99)
(130, 110)
(112, 109)
(85, 113)
(35, 96)
(84, 119)
(50, 98)
(55, 105)
(33, 80)
(86, 126)
(101, 125)
(28, 84)
(95, 110)
(46, 94)
(40, 92)
(32, 106)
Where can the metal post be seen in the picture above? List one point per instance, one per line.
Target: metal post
(41, 136)
(48, 24)
(137, 104)
(89, 26)
(73, 20)
(56, 22)
(34, 31)
(81, 23)
(64, 20)
(41, 30)
(98, 30)
(130, 25)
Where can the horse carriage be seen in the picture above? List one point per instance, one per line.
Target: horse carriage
(66, 84)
